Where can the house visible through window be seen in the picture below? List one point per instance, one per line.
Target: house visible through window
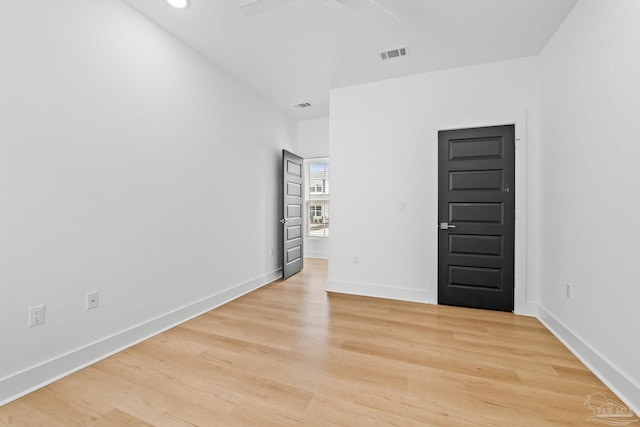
(317, 197)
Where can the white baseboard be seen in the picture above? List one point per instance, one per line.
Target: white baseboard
(529, 309)
(377, 291)
(318, 255)
(603, 369)
(31, 379)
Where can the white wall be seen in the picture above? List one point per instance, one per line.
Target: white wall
(313, 138)
(128, 165)
(384, 157)
(313, 142)
(590, 104)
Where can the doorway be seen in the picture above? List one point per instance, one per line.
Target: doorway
(476, 209)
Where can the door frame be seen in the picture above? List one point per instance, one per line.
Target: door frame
(519, 119)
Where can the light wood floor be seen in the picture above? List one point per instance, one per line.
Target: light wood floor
(291, 354)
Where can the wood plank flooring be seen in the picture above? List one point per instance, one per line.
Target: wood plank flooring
(290, 354)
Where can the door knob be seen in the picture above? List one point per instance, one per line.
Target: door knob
(446, 226)
(284, 220)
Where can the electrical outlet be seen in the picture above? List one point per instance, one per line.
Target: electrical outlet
(568, 290)
(272, 251)
(36, 315)
(356, 260)
(92, 300)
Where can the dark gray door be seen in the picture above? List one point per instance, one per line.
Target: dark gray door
(476, 209)
(293, 190)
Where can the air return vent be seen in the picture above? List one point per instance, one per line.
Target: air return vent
(394, 53)
(303, 105)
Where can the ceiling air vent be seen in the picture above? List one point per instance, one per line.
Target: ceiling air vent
(303, 105)
(394, 53)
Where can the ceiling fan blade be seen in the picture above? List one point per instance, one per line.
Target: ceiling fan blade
(374, 12)
(256, 7)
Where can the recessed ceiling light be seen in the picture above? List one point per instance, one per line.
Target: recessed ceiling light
(180, 4)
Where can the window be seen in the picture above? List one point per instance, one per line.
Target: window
(317, 197)
(317, 186)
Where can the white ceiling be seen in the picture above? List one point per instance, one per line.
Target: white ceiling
(299, 51)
